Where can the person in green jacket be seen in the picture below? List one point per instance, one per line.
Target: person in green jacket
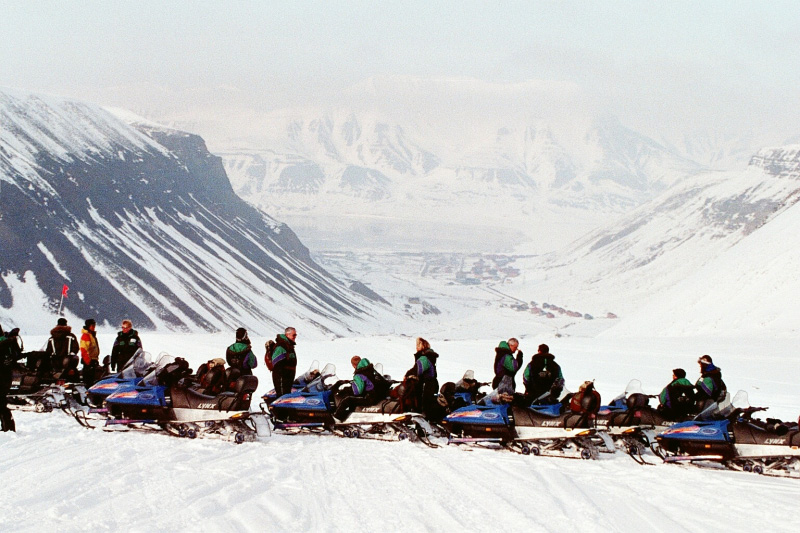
(677, 398)
(284, 361)
(505, 363)
(239, 355)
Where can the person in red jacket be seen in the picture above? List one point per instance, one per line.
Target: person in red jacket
(90, 351)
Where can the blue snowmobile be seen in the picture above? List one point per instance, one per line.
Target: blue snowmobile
(564, 429)
(727, 434)
(132, 373)
(633, 425)
(168, 399)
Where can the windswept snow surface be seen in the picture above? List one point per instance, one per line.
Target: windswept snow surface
(59, 476)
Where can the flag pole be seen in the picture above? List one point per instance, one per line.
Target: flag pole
(61, 303)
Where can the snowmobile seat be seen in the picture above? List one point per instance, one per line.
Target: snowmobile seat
(794, 438)
(212, 381)
(239, 398)
(637, 401)
(231, 377)
(172, 373)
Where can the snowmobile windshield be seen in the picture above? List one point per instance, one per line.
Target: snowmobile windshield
(634, 387)
(151, 378)
(379, 369)
(312, 372)
(137, 366)
(741, 400)
(319, 384)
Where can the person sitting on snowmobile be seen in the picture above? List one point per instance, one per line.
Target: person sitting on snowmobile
(10, 353)
(709, 387)
(62, 347)
(543, 379)
(677, 398)
(240, 356)
(125, 345)
(504, 393)
(366, 388)
(505, 364)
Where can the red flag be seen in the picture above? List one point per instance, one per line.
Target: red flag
(64, 290)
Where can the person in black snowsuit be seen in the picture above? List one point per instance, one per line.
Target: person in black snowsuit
(62, 349)
(709, 387)
(424, 370)
(542, 378)
(284, 361)
(125, 345)
(676, 401)
(10, 353)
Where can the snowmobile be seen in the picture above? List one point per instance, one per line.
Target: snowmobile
(564, 429)
(730, 436)
(312, 409)
(42, 385)
(92, 409)
(633, 425)
(299, 383)
(166, 399)
(309, 407)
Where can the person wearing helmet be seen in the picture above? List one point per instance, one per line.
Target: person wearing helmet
(709, 387)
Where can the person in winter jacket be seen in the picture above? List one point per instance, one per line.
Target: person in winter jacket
(90, 352)
(125, 345)
(284, 361)
(239, 355)
(709, 387)
(366, 388)
(424, 370)
(62, 346)
(505, 363)
(10, 353)
(542, 378)
(677, 399)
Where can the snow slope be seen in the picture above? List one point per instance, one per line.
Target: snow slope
(141, 222)
(59, 476)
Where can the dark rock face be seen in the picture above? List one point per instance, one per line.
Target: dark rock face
(142, 222)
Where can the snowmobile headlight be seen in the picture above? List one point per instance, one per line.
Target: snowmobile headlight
(237, 416)
(403, 418)
(585, 433)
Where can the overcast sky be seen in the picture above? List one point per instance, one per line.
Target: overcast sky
(727, 64)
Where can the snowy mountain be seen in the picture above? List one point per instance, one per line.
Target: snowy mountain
(141, 222)
(410, 149)
(713, 254)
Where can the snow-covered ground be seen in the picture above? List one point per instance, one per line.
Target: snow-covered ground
(59, 476)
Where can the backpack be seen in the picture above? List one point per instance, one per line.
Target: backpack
(270, 346)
